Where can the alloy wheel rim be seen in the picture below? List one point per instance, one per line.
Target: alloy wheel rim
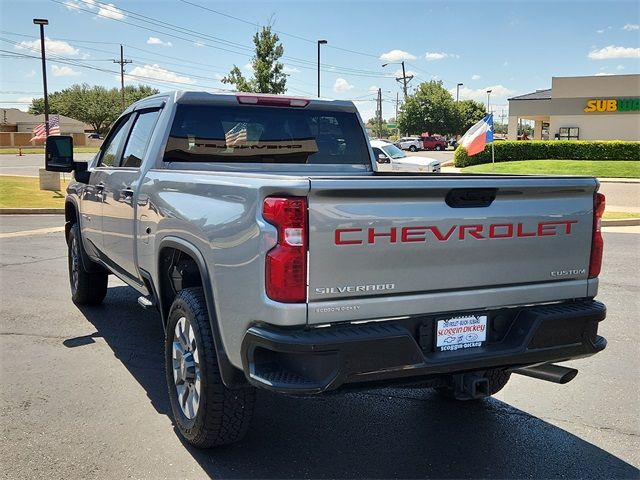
(186, 368)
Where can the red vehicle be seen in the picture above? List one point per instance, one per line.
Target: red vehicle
(432, 142)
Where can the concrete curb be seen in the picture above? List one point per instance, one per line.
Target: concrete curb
(31, 211)
(621, 222)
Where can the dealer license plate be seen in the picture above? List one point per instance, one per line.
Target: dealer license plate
(461, 332)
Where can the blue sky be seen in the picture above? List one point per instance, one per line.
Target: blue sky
(509, 47)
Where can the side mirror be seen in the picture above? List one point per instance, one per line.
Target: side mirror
(382, 156)
(59, 153)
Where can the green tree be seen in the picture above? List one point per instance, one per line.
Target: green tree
(430, 109)
(469, 112)
(268, 72)
(94, 105)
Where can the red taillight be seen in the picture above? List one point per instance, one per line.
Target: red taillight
(286, 263)
(597, 243)
(272, 101)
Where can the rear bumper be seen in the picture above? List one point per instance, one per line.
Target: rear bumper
(311, 361)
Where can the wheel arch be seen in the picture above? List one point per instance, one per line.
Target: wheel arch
(186, 253)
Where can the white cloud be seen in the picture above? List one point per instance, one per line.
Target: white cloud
(76, 4)
(248, 67)
(157, 41)
(631, 26)
(480, 94)
(505, 63)
(25, 99)
(433, 56)
(620, 67)
(373, 89)
(51, 46)
(396, 56)
(156, 72)
(613, 51)
(63, 71)
(341, 85)
(198, 44)
(31, 74)
(110, 11)
(289, 70)
(475, 77)
(600, 32)
(603, 74)
(218, 76)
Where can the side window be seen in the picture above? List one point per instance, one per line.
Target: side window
(139, 138)
(377, 152)
(113, 144)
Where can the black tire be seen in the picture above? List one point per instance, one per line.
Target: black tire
(413, 148)
(87, 288)
(438, 147)
(497, 381)
(222, 415)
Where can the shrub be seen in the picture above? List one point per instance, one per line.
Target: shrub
(551, 149)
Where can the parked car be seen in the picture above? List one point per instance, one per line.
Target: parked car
(279, 257)
(433, 143)
(94, 136)
(400, 161)
(412, 144)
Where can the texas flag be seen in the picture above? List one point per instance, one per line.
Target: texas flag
(478, 136)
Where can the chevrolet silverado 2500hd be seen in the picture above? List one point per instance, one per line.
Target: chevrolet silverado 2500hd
(280, 258)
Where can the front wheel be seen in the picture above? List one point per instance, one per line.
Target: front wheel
(206, 412)
(438, 147)
(87, 288)
(413, 148)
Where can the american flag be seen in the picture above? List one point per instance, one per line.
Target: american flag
(237, 135)
(40, 132)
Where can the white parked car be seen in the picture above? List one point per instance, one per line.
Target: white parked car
(409, 143)
(400, 161)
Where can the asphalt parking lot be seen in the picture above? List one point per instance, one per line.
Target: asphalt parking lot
(83, 396)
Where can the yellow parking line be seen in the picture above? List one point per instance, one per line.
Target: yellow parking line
(28, 233)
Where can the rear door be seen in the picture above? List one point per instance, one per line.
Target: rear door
(433, 238)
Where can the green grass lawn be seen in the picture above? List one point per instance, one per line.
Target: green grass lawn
(595, 168)
(15, 151)
(24, 192)
(620, 215)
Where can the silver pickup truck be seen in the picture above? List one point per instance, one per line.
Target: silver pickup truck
(280, 258)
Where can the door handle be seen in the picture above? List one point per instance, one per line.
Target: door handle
(127, 192)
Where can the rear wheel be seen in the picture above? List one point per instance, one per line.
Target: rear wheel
(438, 147)
(87, 288)
(497, 381)
(206, 412)
(413, 148)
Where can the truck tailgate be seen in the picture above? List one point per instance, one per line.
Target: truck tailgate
(392, 246)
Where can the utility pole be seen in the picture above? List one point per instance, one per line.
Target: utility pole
(379, 113)
(42, 22)
(122, 63)
(404, 79)
(458, 91)
(320, 42)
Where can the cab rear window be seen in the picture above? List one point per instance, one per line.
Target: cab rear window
(258, 134)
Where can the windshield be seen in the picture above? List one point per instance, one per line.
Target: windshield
(393, 151)
(256, 134)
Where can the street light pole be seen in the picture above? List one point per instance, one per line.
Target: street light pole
(488, 100)
(320, 42)
(458, 91)
(42, 22)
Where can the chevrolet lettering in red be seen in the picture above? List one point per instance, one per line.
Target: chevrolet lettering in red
(423, 234)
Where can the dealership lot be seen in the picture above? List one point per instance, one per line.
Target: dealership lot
(84, 396)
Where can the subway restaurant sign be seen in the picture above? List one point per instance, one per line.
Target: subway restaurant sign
(612, 105)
